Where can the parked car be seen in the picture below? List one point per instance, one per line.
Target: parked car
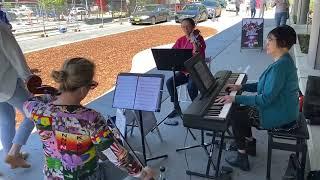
(118, 14)
(151, 14)
(198, 12)
(231, 5)
(213, 8)
(79, 11)
(223, 3)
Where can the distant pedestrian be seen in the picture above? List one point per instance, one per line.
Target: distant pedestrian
(247, 5)
(237, 7)
(3, 16)
(253, 8)
(282, 11)
(263, 5)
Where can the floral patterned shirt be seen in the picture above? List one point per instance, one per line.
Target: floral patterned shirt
(72, 136)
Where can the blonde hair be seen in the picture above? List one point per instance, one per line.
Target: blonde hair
(75, 73)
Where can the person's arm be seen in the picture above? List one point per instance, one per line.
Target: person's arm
(203, 46)
(251, 87)
(33, 102)
(106, 143)
(274, 3)
(273, 85)
(11, 50)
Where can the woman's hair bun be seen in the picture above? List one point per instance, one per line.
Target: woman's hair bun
(59, 76)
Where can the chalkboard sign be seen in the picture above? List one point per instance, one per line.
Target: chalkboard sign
(252, 33)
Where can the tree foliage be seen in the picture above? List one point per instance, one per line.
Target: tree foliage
(51, 3)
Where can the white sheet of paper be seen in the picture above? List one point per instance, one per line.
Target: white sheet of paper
(125, 91)
(121, 121)
(147, 95)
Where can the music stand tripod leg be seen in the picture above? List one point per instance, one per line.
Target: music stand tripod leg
(143, 142)
(202, 144)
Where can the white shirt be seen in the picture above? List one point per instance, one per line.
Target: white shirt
(12, 63)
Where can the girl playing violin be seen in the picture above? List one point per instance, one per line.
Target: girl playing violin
(192, 39)
(74, 136)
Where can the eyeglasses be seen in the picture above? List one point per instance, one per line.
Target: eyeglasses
(271, 39)
(93, 85)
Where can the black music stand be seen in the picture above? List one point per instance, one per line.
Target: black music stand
(140, 92)
(172, 60)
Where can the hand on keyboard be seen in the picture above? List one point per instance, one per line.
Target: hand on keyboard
(225, 99)
(233, 87)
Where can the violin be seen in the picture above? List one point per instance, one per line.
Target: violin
(194, 35)
(34, 85)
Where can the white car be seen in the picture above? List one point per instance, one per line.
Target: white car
(79, 10)
(231, 6)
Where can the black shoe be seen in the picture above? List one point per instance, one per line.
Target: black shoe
(241, 161)
(173, 114)
(171, 122)
(251, 147)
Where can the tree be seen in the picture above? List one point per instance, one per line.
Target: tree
(48, 4)
(56, 5)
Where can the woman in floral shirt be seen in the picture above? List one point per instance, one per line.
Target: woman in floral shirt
(73, 135)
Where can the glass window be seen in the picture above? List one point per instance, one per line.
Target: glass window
(190, 7)
(210, 3)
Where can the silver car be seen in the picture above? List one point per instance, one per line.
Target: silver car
(213, 8)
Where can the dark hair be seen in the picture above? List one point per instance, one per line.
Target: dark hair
(74, 73)
(285, 36)
(189, 20)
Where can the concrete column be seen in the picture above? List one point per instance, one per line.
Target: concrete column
(314, 46)
(303, 14)
(295, 7)
(299, 10)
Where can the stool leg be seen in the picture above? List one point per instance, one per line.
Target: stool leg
(297, 152)
(270, 142)
(303, 159)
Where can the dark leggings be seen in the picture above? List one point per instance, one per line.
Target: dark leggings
(243, 118)
(181, 79)
(253, 13)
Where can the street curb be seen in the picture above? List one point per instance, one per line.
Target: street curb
(56, 28)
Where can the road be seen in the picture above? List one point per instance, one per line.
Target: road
(31, 43)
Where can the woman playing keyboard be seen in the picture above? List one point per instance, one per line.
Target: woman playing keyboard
(276, 103)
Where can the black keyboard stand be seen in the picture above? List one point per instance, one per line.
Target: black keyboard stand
(227, 137)
(203, 144)
(224, 174)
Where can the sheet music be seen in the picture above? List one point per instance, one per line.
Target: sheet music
(121, 121)
(125, 92)
(147, 95)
